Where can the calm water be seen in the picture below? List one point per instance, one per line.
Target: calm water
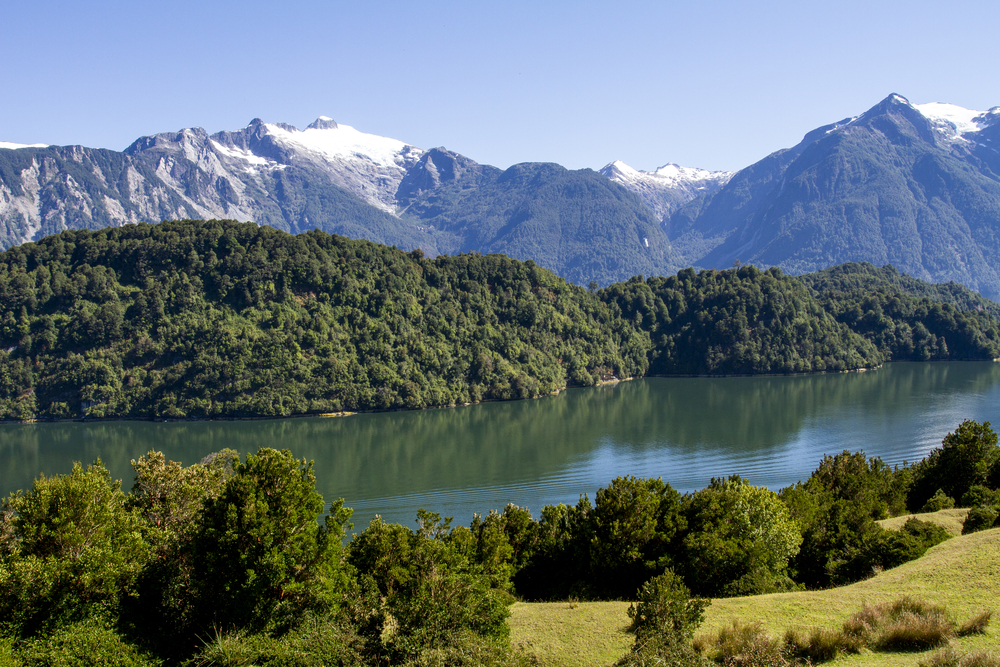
(773, 430)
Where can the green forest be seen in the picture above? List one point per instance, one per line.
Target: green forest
(237, 560)
(203, 319)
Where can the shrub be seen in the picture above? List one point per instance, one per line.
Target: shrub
(760, 582)
(316, 643)
(735, 529)
(663, 651)
(979, 518)
(665, 607)
(979, 494)
(632, 526)
(939, 501)
(88, 643)
(258, 550)
(72, 548)
(966, 458)
(749, 645)
(467, 649)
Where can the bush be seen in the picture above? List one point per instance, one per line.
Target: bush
(665, 607)
(258, 549)
(86, 644)
(663, 651)
(760, 582)
(939, 501)
(470, 650)
(966, 458)
(979, 518)
(749, 645)
(979, 495)
(316, 643)
(73, 549)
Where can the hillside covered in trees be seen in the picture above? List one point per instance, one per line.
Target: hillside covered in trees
(218, 318)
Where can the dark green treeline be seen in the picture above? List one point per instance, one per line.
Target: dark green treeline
(219, 318)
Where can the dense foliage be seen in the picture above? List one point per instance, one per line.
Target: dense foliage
(738, 321)
(217, 318)
(221, 318)
(227, 561)
(906, 318)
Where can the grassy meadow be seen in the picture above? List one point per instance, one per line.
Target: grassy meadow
(963, 574)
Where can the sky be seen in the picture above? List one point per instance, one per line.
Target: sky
(709, 84)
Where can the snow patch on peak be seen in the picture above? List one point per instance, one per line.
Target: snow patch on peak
(952, 119)
(13, 146)
(669, 187)
(899, 99)
(341, 141)
(238, 153)
(669, 175)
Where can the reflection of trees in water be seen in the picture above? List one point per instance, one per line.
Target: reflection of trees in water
(397, 453)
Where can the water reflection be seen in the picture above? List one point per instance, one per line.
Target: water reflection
(771, 429)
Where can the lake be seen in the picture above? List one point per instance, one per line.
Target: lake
(773, 430)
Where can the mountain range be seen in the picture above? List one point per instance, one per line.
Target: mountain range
(916, 186)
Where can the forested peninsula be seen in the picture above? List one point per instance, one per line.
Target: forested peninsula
(203, 319)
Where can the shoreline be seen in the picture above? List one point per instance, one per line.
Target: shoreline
(347, 413)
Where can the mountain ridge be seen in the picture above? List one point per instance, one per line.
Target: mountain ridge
(915, 186)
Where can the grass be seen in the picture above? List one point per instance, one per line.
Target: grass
(961, 574)
(950, 519)
(572, 634)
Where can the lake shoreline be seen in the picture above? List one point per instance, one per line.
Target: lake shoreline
(348, 413)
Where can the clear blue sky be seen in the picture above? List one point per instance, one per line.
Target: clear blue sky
(702, 83)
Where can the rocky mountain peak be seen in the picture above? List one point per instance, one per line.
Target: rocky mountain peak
(323, 123)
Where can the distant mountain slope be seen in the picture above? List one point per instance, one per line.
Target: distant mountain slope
(322, 178)
(914, 186)
(337, 179)
(576, 223)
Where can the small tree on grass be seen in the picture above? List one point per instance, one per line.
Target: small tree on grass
(664, 618)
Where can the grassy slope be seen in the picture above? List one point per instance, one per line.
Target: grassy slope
(963, 574)
(951, 520)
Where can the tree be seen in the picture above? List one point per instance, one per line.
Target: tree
(71, 548)
(736, 530)
(965, 458)
(258, 546)
(632, 528)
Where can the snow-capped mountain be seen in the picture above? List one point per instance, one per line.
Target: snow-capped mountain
(669, 187)
(915, 186)
(327, 176)
(338, 179)
(367, 165)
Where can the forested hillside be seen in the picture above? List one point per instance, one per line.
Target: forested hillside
(219, 318)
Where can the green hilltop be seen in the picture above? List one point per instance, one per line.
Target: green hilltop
(223, 319)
